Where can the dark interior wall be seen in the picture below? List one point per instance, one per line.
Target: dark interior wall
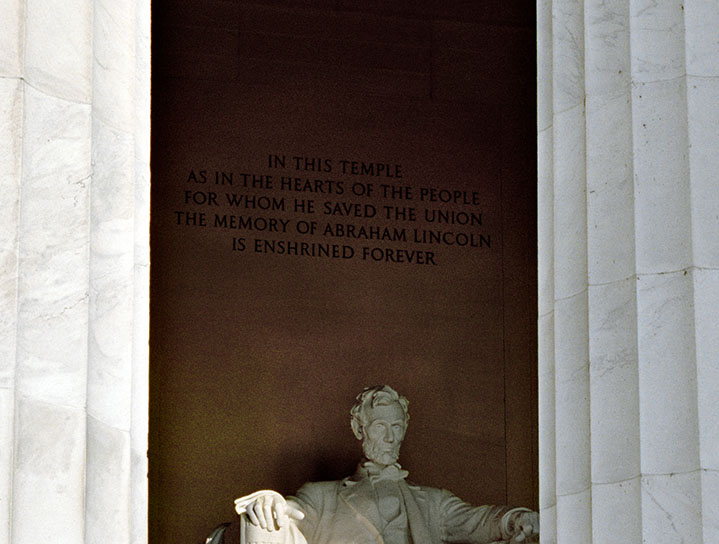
(256, 357)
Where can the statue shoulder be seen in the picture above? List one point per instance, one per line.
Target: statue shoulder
(320, 487)
(317, 493)
(427, 490)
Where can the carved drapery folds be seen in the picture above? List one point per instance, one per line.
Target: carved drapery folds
(629, 270)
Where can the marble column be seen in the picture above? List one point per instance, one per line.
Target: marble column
(74, 156)
(629, 270)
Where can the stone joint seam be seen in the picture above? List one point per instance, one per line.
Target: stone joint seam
(636, 276)
(568, 108)
(55, 96)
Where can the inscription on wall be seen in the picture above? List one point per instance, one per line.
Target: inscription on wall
(346, 209)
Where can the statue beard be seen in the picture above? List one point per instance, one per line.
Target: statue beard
(381, 452)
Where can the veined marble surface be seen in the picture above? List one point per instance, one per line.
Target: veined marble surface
(74, 144)
(628, 223)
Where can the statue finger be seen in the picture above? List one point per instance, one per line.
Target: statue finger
(280, 513)
(294, 513)
(251, 515)
(257, 508)
(269, 517)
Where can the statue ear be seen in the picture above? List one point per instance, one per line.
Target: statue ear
(356, 428)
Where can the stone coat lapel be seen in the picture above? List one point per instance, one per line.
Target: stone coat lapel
(360, 500)
(358, 497)
(415, 501)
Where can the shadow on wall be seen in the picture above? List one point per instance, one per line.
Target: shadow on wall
(325, 464)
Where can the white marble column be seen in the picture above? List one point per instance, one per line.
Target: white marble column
(629, 270)
(74, 155)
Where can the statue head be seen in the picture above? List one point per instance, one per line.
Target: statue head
(379, 418)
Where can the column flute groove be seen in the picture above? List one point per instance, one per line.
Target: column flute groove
(652, 307)
(75, 181)
(571, 358)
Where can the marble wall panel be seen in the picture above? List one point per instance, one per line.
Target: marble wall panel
(701, 19)
(652, 223)
(58, 48)
(574, 517)
(610, 188)
(62, 481)
(108, 484)
(49, 474)
(113, 69)
(53, 267)
(11, 114)
(607, 67)
(567, 54)
(703, 116)
(138, 483)
(544, 66)
(671, 508)
(570, 203)
(141, 289)
(614, 390)
(657, 40)
(545, 229)
(616, 511)
(7, 451)
(706, 311)
(661, 183)
(667, 374)
(548, 455)
(545, 240)
(572, 395)
(548, 528)
(12, 38)
(710, 504)
(111, 277)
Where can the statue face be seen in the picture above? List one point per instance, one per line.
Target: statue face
(383, 433)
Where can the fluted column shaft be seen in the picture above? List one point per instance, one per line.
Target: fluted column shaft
(629, 270)
(74, 85)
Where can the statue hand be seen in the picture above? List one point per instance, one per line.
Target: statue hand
(524, 527)
(267, 509)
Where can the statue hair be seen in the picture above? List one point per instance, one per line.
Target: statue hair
(376, 395)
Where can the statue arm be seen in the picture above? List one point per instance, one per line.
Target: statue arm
(296, 518)
(462, 522)
(310, 499)
(521, 525)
